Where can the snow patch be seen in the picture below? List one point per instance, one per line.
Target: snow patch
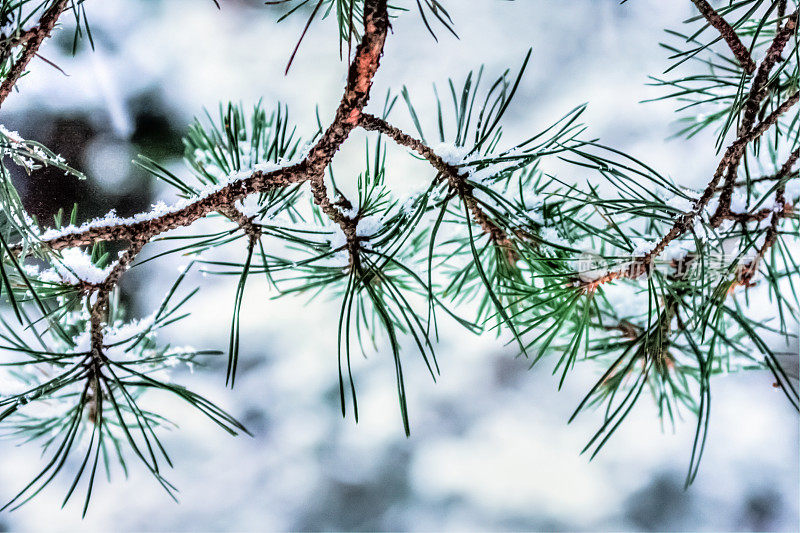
(75, 266)
(590, 266)
(684, 205)
(642, 247)
(459, 156)
(450, 153)
(793, 189)
(738, 203)
(552, 236)
(12, 136)
(677, 251)
(368, 226)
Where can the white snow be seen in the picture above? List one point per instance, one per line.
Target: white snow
(680, 203)
(677, 250)
(122, 332)
(533, 204)
(12, 136)
(10, 385)
(368, 226)
(590, 266)
(75, 266)
(486, 173)
(552, 236)
(642, 247)
(793, 189)
(249, 207)
(337, 239)
(459, 156)
(532, 201)
(738, 203)
(629, 299)
(450, 153)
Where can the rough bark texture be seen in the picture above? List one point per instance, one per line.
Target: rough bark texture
(728, 33)
(31, 40)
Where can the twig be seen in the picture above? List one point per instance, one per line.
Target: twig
(758, 91)
(759, 88)
(760, 179)
(728, 33)
(247, 225)
(32, 43)
(749, 270)
(455, 178)
(731, 157)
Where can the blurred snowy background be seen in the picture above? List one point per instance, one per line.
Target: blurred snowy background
(490, 447)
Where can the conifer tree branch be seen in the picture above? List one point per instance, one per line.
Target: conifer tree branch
(356, 96)
(727, 32)
(759, 88)
(32, 41)
(97, 359)
(570, 241)
(185, 216)
(758, 91)
(121, 266)
(731, 157)
(312, 168)
(781, 210)
(743, 218)
(455, 178)
(760, 179)
(373, 123)
(246, 223)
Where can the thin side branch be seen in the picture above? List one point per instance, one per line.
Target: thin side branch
(760, 179)
(455, 178)
(781, 210)
(728, 33)
(373, 123)
(33, 40)
(731, 157)
(246, 224)
(147, 229)
(359, 82)
(759, 88)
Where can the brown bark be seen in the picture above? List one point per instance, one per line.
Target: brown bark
(33, 39)
(728, 34)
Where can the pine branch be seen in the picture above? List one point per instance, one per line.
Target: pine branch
(760, 179)
(456, 179)
(251, 229)
(739, 50)
(373, 123)
(781, 210)
(759, 87)
(731, 157)
(515, 244)
(33, 40)
(758, 91)
(131, 229)
(312, 168)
